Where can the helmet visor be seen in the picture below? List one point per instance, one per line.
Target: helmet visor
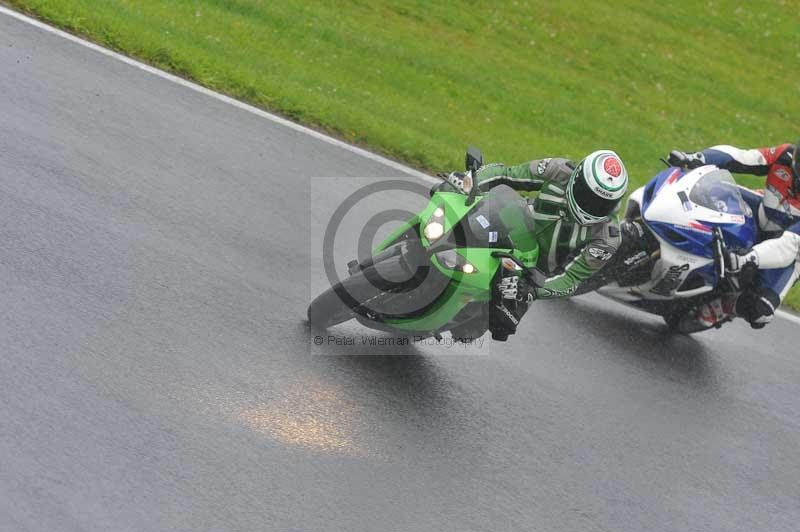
(589, 201)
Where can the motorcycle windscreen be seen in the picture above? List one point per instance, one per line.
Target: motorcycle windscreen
(718, 192)
(502, 219)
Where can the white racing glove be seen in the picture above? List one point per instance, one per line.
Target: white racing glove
(737, 262)
(458, 180)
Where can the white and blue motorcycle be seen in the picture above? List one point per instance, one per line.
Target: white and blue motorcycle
(680, 227)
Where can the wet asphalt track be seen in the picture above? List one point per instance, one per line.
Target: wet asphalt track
(158, 254)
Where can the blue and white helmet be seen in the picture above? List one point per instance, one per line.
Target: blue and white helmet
(596, 187)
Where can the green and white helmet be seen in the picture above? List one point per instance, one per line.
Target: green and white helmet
(596, 187)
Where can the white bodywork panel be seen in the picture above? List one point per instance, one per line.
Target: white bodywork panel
(674, 265)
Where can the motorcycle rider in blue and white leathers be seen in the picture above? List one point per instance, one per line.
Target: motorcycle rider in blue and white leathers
(777, 253)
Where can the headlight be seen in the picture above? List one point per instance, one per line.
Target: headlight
(434, 228)
(452, 260)
(433, 231)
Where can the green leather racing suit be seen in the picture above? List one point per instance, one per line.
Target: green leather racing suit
(570, 254)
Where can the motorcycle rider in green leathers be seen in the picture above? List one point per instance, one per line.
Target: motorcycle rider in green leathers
(576, 228)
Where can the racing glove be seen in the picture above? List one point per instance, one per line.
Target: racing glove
(458, 180)
(686, 160)
(739, 261)
(516, 288)
(510, 300)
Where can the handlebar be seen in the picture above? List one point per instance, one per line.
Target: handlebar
(722, 260)
(720, 253)
(473, 192)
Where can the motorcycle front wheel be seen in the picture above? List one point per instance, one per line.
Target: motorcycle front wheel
(334, 306)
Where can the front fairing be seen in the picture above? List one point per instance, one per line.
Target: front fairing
(500, 220)
(682, 213)
(669, 209)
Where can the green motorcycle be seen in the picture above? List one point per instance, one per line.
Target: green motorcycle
(436, 272)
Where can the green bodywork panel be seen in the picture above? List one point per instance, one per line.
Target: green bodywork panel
(463, 288)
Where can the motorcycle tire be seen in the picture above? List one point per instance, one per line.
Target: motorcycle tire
(331, 307)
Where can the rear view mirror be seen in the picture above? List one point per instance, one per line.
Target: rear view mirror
(473, 159)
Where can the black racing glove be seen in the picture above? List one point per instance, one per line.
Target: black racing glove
(686, 160)
(510, 300)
